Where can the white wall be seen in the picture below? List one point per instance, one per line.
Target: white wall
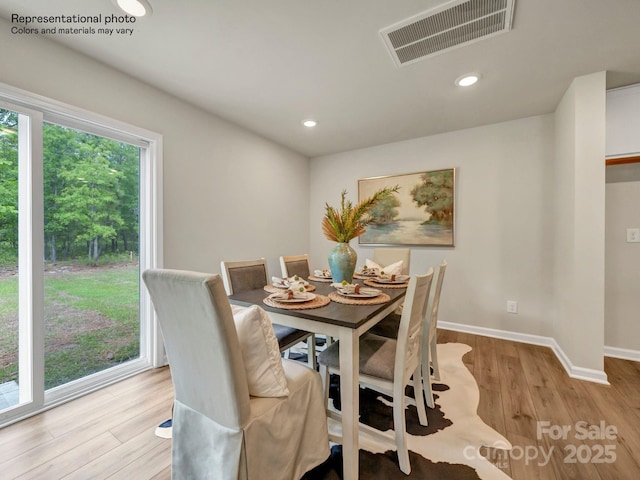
(578, 212)
(224, 188)
(529, 220)
(503, 216)
(622, 273)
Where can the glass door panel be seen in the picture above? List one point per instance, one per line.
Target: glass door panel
(91, 237)
(9, 293)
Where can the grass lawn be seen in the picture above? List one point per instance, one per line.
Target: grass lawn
(91, 322)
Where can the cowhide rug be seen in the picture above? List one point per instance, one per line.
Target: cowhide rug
(448, 448)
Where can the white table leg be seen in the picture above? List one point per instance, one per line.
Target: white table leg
(350, 399)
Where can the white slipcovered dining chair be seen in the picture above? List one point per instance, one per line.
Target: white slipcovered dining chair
(387, 364)
(219, 430)
(292, 265)
(239, 276)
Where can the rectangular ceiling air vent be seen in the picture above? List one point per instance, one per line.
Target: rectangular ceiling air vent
(449, 26)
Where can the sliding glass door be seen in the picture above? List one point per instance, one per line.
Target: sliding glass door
(79, 221)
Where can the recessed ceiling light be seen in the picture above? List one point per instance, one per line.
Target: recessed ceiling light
(137, 8)
(309, 123)
(467, 79)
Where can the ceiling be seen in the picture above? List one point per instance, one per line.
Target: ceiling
(267, 65)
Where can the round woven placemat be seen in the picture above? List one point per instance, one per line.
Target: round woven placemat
(274, 289)
(373, 283)
(313, 278)
(382, 298)
(319, 301)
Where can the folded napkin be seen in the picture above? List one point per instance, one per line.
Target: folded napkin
(322, 273)
(347, 287)
(393, 269)
(370, 272)
(350, 288)
(296, 280)
(288, 295)
(293, 282)
(394, 278)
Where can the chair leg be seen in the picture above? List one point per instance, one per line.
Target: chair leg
(324, 375)
(433, 347)
(399, 426)
(426, 373)
(427, 390)
(311, 351)
(418, 393)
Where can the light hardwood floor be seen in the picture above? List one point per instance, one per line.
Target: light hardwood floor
(110, 434)
(523, 388)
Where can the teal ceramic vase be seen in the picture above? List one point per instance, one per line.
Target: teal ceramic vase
(342, 262)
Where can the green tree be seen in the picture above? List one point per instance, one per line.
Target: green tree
(385, 210)
(89, 201)
(60, 147)
(9, 180)
(125, 158)
(435, 193)
(90, 192)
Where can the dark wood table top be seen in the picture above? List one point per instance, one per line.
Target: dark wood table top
(351, 316)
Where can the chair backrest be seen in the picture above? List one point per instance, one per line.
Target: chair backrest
(295, 265)
(435, 299)
(202, 345)
(244, 275)
(411, 325)
(387, 256)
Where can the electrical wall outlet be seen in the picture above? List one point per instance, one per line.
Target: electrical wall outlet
(512, 306)
(633, 235)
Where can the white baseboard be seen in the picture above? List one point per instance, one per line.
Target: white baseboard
(588, 374)
(623, 353)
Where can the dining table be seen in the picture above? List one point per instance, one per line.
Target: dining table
(343, 321)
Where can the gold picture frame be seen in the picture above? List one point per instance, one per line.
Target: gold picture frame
(421, 213)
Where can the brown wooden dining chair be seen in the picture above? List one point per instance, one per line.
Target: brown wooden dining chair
(243, 275)
(388, 364)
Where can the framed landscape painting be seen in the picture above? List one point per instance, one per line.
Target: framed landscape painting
(420, 213)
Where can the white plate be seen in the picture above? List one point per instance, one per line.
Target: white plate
(399, 279)
(364, 293)
(300, 298)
